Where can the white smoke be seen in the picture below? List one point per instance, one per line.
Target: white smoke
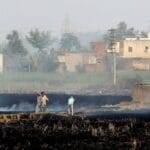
(21, 107)
(28, 107)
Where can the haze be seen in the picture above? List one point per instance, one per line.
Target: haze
(84, 15)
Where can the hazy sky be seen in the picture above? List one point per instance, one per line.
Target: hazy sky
(83, 14)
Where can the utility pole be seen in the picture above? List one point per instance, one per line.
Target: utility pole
(115, 68)
(112, 47)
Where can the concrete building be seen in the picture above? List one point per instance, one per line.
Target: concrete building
(135, 48)
(135, 53)
(92, 61)
(73, 62)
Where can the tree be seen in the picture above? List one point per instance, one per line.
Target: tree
(144, 34)
(121, 32)
(110, 37)
(131, 33)
(39, 40)
(70, 42)
(15, 44)
(41, 60)
(15, 53)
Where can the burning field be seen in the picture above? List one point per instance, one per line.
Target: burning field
(50, 131)
(58, 102)
(98, 123)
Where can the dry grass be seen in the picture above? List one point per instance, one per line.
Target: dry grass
(55, 82)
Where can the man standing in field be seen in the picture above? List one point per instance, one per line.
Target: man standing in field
(71, 101)
(39, 103)
(44, 102)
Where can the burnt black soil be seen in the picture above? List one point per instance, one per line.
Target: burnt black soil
(91, 133)
(8, 100)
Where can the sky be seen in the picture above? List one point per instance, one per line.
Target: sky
(84, 15)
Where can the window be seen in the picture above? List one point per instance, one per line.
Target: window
(130, 49)
(146, 49)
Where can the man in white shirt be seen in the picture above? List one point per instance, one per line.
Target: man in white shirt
(71, 101)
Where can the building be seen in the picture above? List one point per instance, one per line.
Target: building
(92, 61)
(1, 63)
(99, 48)
(135, 53)
(99, 51)
(135, 48)
(72, 62)
(69, 61)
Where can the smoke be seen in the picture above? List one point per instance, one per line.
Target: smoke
(28, 107)
(58, 102)
(22, 107)
(86, 109)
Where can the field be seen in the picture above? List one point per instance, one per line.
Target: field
(68, 82)
(57, 132)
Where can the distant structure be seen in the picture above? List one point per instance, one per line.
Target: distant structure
(92, 61)
(134, 53)
(66, 26)
(135, 48)
(1, 63)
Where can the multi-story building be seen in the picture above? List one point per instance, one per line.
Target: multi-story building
(135, 53)
(135, 48)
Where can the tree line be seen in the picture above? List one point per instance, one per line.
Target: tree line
(122, 31)
(41, 56)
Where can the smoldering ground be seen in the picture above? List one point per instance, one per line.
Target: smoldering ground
(57, 102)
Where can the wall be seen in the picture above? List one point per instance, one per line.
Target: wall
(91, 61)
(72, 60)
(138, 48)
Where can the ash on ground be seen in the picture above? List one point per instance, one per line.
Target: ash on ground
(57, 132)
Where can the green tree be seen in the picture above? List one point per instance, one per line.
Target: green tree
(131, 33)
(15, 44)
(144, 34)
(70, 42)
(41, 60)
(39, 39)
(121, 32)
(15, 53)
